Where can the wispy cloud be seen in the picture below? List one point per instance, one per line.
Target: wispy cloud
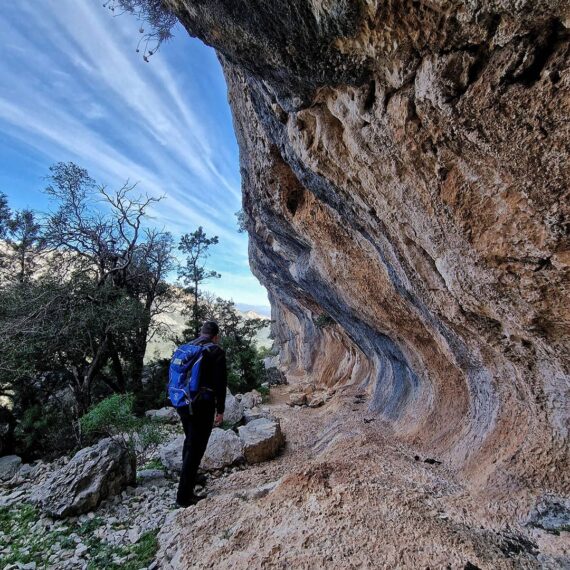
(73, 88)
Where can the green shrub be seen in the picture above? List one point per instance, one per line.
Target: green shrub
(154, 464)
(324, 320)
(44, 431)
(264, 391)
(264, 352)
(114, 417)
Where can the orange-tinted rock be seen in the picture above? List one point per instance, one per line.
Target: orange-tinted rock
(405, 169)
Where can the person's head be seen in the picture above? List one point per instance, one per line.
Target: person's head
(211, 329)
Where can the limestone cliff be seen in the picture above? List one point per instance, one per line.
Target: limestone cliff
(405, 168)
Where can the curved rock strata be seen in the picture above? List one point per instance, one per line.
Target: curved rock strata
(405, 168)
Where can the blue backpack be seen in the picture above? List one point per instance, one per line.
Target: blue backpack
(184, 373)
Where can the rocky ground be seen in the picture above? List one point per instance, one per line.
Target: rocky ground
(342, 494)
(120, 533)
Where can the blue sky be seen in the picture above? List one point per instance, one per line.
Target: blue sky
(72, 87)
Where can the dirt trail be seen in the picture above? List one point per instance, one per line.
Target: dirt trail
(349, 497)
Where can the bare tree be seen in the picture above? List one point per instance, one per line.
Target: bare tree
(103, 233)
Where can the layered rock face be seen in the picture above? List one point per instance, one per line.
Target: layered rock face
(405, 168)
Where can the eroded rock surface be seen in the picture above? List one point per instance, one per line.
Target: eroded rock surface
(345, 494)
(261, 438)
(233, 412)
(93, 474)
(224, 449)
(167, 415)
(9, 466)
(405, 169)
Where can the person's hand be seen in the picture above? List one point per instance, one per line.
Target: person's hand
(218, 420)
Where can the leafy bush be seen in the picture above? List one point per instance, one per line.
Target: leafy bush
(264, 391)
(324, 320)
(154, 464)
(43, 418)
(264, 352)
(46, 429)
(111, 417)
(114, 417)
(153, 395)
(245, 367)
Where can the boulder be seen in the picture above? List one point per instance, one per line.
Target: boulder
(271, 362)
(273, 375)
(149, 476)
(170, 454)
(261, 439)
(93, 474)
(297, 399)
(9, 466)
(254, 414)
(251, 399)
(233, 413)
(167, 415)
(25, 471)
(316, 401)
(224, 448)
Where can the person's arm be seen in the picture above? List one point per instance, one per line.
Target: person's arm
(221, 382)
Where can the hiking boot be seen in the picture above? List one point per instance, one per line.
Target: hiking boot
(193, 500)
(201, 479)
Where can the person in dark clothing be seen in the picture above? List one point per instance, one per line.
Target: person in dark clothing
(199, 420)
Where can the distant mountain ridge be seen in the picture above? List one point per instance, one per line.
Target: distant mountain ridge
(161, 348)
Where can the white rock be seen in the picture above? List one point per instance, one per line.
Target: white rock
(81, 549)
(9, 465)
(134, 534)
(167, 415)
(224, 448)
(254, 414)
(93, 474)
(316, 401)
(261, 439)
(234, 410)
(297, 399)
(251, 399)
(12, 498)
(171, 454)
(257, 492)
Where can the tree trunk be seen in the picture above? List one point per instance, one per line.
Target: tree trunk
(196, 322)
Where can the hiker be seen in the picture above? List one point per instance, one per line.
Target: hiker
(198, 416)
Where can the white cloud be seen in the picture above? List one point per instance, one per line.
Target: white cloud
(73, 88)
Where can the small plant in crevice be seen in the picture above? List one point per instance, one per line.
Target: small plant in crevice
(324, 320)
(264, 391)
(154, 13)
(154, 464)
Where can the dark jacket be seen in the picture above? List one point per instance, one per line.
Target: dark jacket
(214, 374)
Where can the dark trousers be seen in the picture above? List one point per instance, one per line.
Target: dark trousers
(197, 428)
